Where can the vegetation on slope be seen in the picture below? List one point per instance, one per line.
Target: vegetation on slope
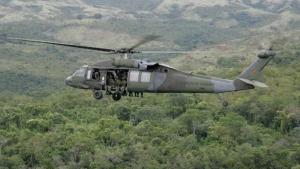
(69, 129)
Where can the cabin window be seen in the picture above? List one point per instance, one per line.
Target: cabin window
(134, 76)
(145, 77)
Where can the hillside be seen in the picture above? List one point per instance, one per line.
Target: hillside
(187, 24)
(223, 13)
(45, 124)
(221, 29)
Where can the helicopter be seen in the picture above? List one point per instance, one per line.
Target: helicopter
(119, 77)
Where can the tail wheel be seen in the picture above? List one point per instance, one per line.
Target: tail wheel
(225, 104)
(116, 96)
(98, 94)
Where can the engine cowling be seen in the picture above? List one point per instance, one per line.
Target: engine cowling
(266, 54)
(132, 63)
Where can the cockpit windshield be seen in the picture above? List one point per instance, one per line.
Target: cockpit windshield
(80, 72)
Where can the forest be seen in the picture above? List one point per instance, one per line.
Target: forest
(67, 128)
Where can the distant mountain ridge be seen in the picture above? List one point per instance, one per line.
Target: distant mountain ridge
(222, 13)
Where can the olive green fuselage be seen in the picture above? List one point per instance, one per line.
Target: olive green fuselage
(158, 79)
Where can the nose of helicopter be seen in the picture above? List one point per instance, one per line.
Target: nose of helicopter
(68, 81)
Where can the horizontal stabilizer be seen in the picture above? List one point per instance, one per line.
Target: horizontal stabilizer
(254, 83)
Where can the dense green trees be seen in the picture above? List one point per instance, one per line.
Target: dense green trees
(69, 129)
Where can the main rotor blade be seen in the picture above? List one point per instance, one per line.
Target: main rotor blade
(63, 44)
(171, 52)
(3, 37)
(146, 39)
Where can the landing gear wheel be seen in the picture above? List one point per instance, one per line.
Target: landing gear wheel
(98, 94)
(116, 96)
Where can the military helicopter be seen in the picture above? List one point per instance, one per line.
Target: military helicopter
(130, 77)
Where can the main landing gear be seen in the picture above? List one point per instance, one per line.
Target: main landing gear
(116, 96)
(98, 94)
(116, 93)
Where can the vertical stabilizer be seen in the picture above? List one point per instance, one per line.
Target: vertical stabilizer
(253, 75)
